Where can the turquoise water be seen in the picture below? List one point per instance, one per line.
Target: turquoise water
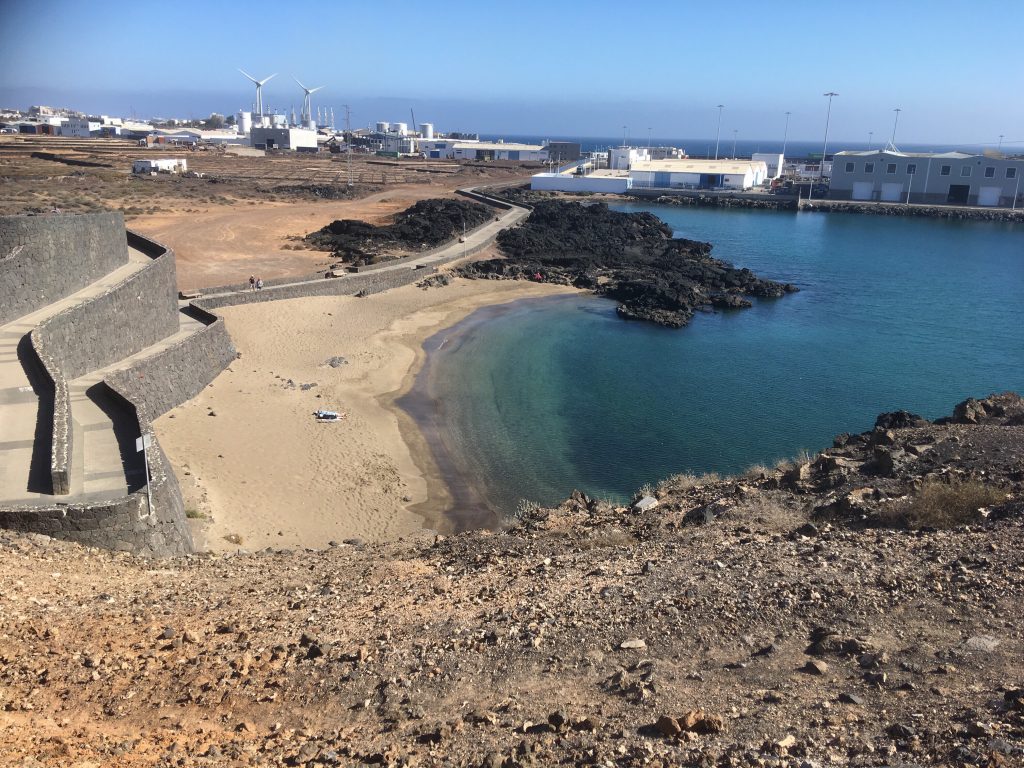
(540, 397)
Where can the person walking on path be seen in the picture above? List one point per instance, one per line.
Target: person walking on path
(252, 282)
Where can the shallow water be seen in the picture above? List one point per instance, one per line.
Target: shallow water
(534, 399)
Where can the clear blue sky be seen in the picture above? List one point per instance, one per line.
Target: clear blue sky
(552, 67)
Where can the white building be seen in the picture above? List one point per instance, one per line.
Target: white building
(772, 160)
(296, 139)
(606, 181)
(81, 127)
(164, 165)
(693, 173)
(954, 178)
(440, 149)
(808, 171)
(499, 150)
(623, 158)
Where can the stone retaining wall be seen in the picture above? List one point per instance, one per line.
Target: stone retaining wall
(45, 258)
(132, 315)
(373, 282)
(166, 380)
(60, 429)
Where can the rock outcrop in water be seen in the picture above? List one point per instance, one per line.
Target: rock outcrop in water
(425, 225)
(629, 257)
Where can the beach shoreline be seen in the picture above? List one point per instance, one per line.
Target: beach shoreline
(255, 468)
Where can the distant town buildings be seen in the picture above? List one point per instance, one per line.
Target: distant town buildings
(167, 165)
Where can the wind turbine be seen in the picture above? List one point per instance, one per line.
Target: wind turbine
(306, 111)
(259, 90)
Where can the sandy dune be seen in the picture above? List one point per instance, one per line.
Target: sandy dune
(250, 454)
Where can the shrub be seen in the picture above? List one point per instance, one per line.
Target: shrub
(944, 505)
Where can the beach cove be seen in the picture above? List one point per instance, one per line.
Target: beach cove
(257, 470)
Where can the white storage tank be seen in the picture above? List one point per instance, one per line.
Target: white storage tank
(401, 129)
(427, 130)
(279, 121)
(245, 122)
(383, 127)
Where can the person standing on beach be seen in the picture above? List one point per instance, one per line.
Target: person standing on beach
(252, 282)
(259, 283)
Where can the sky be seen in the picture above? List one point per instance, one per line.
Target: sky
(555, 68)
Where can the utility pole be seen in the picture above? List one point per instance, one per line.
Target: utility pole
(824, 146)
(718, 134)
(871, 135)
(1000, 150)
(785, 136)
(734, 131)
(348, 140)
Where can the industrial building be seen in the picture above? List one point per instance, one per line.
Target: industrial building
(954, 178)
(623, 158)
(773, 160)
(486, 150)
(81, 127)
(564, 151)
(692, 173)
(283, 137)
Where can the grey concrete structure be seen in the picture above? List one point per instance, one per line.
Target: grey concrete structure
(45, 258)
(133, 317)
(949, 178)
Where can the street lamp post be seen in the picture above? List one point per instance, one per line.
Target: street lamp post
(785, 134)
(1000, 150)
(734, 130)
(824, 146)
(871, 136)
(718, 135)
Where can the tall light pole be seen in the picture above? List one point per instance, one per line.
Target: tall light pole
(624, 128)
(1000, 150)
(785, 134)
(824, 146)
(892, 141)
(734, 131)
(871, 135)
(649, 132)
(718, 135)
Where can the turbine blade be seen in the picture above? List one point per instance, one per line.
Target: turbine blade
(249, 76)
(318, 88)
(297, 81)
(268, 78)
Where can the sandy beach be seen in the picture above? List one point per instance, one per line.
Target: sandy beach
(258, 470)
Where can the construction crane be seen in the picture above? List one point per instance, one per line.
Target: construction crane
(413, 115)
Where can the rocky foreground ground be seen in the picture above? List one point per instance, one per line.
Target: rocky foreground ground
(805, 615)
(629, 257)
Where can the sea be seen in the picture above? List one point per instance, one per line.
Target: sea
(533, 399)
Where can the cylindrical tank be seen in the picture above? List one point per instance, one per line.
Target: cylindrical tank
(279, 121)
(401, 129)
(383, 127)
(311, 124)
(427, 130)
(245, 122)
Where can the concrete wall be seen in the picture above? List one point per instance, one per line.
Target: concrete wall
(564, 182)
(45, 258)
(90, 336)
(124, 524)
(132, 315)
